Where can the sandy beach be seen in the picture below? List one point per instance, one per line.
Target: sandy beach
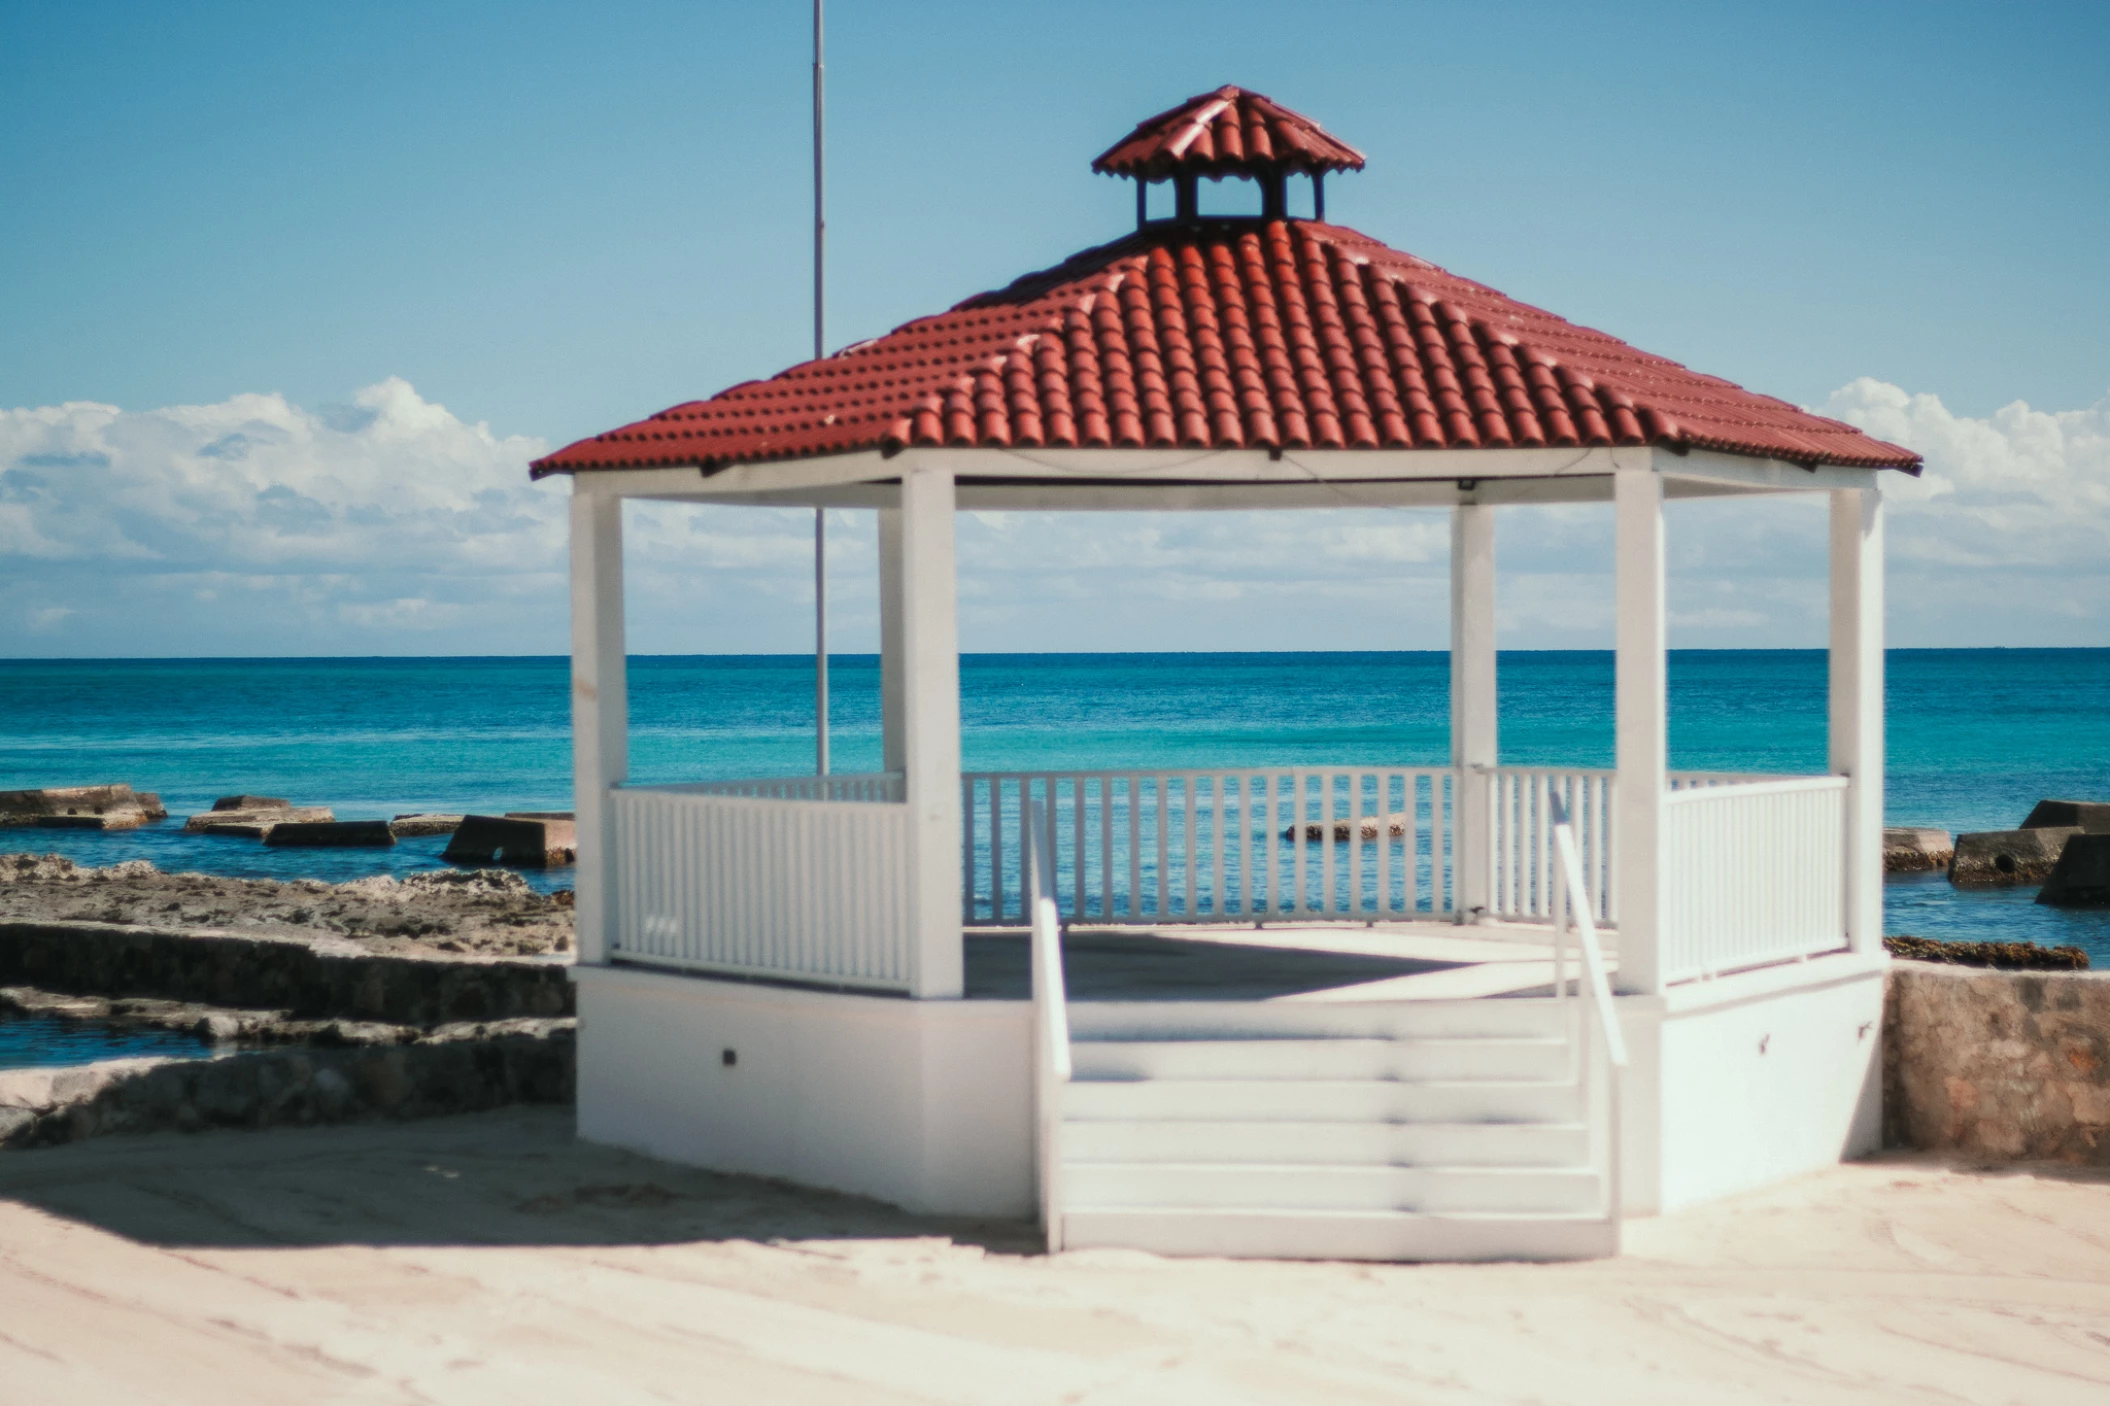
(492, 1258)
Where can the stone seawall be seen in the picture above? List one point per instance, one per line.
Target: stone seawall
(463, 1070)
(317, 978)
(2005, 1066)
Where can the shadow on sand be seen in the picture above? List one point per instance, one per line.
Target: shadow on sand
(511, 1178)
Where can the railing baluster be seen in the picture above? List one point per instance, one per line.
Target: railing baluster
(1077, 848)
(1135, 849)
(1218, 841)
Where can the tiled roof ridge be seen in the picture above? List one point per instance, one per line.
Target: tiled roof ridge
(1233, 333)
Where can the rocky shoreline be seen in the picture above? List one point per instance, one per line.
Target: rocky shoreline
(484, 912)
(440, 993)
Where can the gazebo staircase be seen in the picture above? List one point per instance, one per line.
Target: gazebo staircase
(1448, 1130)
(1386, 1130)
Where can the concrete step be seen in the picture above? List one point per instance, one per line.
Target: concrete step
(1414, 1059)
(1312, 1187)
(1374, 1144)
(1321, 1101)
(1513, 1017)
(1248, 1233)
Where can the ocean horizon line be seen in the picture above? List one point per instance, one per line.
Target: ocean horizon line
(836, 654)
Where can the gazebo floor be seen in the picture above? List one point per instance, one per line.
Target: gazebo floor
(1320, 962)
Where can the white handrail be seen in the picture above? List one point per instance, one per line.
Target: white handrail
(1051, 1017)
(1598, 987)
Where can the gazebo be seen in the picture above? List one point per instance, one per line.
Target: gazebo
(1308, 1011)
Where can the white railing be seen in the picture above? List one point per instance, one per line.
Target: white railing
(809, 890)
(1051, 1018)
(1754, 873)
(1521, 861)
(839, 786)
(1701, 780)
(1597, 1022)
(1162, 847)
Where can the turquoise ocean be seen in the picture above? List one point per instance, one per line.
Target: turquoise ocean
(1975, 736)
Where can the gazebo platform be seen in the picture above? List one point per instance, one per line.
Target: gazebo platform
(1318, 963)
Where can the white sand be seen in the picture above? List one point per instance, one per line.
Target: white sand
(490, 1259)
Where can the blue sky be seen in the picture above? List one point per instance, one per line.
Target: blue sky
(553, 218)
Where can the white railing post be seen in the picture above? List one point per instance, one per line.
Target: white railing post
(1474, 706)
(1051, 1021)
(1856, 709)
(1642, 709)
(930, 711)
(600, 713)
(893, 737)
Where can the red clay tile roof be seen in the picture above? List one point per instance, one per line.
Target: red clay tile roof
(1227, 132)
(1233, 334)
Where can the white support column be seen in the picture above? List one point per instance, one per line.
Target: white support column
(600, 706)
(1643, 712)
(930, 714)
(893, 736)
(1473, 706)
(1857, 702)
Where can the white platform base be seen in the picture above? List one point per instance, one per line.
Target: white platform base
(926, 1104)
(1736, 1083)
(1751, 1079)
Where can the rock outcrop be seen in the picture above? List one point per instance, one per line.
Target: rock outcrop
(486, 911)
(523, 839)
(1916, 851)
(1364, 827)
(112, 807)
(2004, 858)
(406, 826)
(2000, 956)
(2081, 878)
(254, 817)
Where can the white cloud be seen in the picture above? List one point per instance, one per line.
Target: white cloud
(254, 523)
(390, 525)
(2006, 537)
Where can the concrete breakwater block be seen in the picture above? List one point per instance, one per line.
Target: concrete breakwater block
(255, 822)
(1361, 827)
(1909, 850)
(330, 834)
(252, 803)
(406, 826)
(112, 807)
(1999, 858)
(2081, 878)
(524, 839)
(2091, 816)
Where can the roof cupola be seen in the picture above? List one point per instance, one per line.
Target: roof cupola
(1230, 132)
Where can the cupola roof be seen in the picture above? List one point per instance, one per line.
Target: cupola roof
(1230, 132)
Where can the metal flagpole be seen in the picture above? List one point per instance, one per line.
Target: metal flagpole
(820, 333)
